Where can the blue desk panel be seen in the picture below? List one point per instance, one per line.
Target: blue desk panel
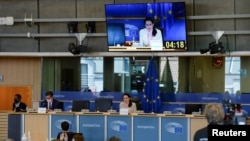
(119, 126)
(174, 129)
(15, 126)
(146, 128)
(92, 127)
(56, 121)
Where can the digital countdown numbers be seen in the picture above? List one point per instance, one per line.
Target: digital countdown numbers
(175, 45)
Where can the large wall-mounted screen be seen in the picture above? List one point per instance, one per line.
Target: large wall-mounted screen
(125, 22)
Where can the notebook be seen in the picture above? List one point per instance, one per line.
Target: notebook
(156, 44)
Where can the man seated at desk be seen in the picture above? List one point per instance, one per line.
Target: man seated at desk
(50, 103)
(19, 106)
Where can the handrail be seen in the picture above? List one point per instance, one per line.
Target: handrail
(195, 17)
(35, 35)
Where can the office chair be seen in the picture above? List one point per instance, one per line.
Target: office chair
(78, 105)
(137, 101)
(103, 104)
(190, 108)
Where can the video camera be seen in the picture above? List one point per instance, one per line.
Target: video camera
(234, 114)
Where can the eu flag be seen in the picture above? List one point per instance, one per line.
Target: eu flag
(151, 100)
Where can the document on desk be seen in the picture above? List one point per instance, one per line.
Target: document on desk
(124, 111)
(156, 45)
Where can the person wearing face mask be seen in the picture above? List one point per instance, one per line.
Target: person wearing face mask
(50, 103)
(19, 106)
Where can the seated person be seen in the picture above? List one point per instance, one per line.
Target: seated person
(19, 106)
(65, 135)
(149, 32)
(127, 103)
(50, 103)
(214, 114)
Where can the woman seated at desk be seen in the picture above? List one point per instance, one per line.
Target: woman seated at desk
(149, 33)
(127, 103)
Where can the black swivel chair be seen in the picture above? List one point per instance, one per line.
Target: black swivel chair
(78, 105)
(190, 108)
(137, 102)
(103, 104)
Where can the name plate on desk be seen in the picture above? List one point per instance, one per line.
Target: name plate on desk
(124, 111)
(41, 110)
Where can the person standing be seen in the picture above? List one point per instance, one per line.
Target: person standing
(18, 105)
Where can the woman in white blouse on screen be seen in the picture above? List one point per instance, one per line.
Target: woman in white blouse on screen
(149, 32)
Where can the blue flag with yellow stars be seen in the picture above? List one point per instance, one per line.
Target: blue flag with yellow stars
(151, 100)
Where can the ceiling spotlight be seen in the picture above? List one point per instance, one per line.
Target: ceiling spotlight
(74, 49)
(202, 51)
(91, 27)
(214, 47)
(83, 48)
(73, 27)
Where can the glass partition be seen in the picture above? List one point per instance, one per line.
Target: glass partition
(127, 74)
(232, 75)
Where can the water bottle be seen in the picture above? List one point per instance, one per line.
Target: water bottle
(29, 136)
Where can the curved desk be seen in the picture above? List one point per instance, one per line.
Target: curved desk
(101, 126)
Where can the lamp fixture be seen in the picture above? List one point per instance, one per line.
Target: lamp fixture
(78, 49)
(72, 27)
(215, 47)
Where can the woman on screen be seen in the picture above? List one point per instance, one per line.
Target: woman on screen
(149, 32)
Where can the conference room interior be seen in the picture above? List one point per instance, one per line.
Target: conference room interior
(33, 65)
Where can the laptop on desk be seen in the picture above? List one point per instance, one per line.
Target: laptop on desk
(156, 45)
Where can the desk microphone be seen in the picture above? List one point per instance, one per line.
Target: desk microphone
(114, 40)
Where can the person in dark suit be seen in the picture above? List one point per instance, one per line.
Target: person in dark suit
(50, 103)
(214, 114)
(18, 105)
(65, 134)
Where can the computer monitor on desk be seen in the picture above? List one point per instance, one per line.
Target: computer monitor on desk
(190, 108)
